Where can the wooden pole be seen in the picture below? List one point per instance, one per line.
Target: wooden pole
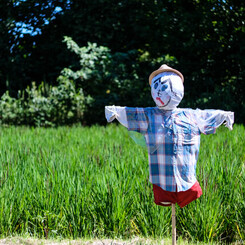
(173, 225)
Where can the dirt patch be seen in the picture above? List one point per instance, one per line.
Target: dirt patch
(32, 241)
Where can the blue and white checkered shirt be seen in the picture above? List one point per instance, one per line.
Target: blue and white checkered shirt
(172, 139)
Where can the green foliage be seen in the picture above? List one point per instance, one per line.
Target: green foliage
(11, 109)
(93, 60)
(71, 182)
(203, 39)
(44, 105)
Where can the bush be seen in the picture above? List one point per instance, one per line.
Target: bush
(112, 78)
(11, 109)
(44, 106)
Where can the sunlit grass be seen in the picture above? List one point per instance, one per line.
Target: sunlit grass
(72, 182)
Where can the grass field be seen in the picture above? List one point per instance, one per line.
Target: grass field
(73, 182)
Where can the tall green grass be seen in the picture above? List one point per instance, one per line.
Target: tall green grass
(72, 182)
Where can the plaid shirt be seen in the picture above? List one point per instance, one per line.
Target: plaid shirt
(173, 140)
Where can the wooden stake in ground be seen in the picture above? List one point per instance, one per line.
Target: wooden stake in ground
(173, 225)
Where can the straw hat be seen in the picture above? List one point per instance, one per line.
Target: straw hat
(164, 68)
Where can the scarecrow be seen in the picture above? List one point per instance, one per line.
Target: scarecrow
(172, 136)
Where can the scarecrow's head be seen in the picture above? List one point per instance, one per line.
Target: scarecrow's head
(167, 88)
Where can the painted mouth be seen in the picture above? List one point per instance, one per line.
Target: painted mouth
(159, 99)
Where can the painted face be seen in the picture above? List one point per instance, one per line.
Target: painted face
(167, 90)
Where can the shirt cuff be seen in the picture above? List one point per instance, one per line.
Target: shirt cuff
(118, 112)
(229, 120)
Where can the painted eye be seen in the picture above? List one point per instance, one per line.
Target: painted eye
(155, 85)
(164, 87)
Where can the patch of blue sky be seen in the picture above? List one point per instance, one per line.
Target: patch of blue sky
(23, 28)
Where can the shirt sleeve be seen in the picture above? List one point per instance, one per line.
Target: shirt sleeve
(209, 120)
(135, 119)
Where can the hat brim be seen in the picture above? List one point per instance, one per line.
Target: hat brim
(161, 70)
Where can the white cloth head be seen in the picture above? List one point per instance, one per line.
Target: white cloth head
(167, 90)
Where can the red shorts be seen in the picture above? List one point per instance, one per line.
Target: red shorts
(182, 198)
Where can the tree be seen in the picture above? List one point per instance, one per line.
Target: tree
(23, 31)
(203, 39)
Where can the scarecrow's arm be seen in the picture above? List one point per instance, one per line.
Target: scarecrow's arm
(116, 112)
(134, 119)
(209, 120)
